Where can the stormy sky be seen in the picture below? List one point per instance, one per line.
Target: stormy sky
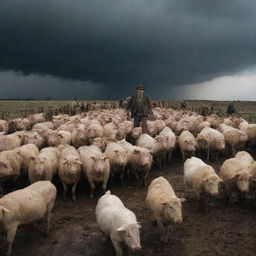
(100, 49)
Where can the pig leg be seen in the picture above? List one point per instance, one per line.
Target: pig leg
(64, 190)
(11, 232)
(233, 150)
(122, 178)
(167, 231)
(137, 177)
(160, 161)
(129, 173)
(183, 155)
(169, 156)
(161, 227)
(48, 217)
(1, 190)
(146, 177)
(118, 248)
(208, 153)
(74, 192)
(104, 185)
(92, 188)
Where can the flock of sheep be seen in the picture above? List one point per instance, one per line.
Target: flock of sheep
(100, 144)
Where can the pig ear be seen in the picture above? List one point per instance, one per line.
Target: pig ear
(205, 179)
(136, 151)
(253, 178)
(3, 164)
(5, 210)
(79, 162)
(182, 199)
(138, 225)
(65, 162)
(220, 180)
(120, 229)
(232, 177)
(164, 203)
(235, 176)
(157, 139)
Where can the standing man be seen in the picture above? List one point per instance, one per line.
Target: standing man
(140, 108)
(231, 109)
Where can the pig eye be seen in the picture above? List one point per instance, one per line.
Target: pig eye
(171, 207)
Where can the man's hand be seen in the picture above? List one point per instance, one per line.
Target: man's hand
(128, 115)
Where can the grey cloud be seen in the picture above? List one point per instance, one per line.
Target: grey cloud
(121, 43)
(17, 85)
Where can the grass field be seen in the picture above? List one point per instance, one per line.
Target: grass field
(10, 109)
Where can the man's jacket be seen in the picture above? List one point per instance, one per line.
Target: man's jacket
(133, 106)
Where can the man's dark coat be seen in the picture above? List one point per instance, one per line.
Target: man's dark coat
(133, 107)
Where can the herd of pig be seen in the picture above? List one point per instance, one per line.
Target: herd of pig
(101, 144)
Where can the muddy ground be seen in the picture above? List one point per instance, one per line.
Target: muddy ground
(221, 230)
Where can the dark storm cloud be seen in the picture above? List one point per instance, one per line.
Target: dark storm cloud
(19, 86)
(121, 43)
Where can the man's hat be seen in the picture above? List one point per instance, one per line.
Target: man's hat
(140, 87)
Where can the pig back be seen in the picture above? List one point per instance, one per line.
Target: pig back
(29, 204)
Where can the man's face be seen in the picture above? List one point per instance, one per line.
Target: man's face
(140, 91)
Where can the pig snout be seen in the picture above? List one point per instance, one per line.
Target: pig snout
(136, 247)
(145, 164)
(215, 194)
(179, 221)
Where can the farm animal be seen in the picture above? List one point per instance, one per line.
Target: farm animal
(235, 138)
(139, 161)
(117, 157)
(187, 143)
(211, 141)
(236, 177)
(69, 168)
(95, 166)
(164, 205)
(27, 152)
(202, 178)
(158, 146)
(44, 166)
(10, 167)
(118, 223)
(24, 206)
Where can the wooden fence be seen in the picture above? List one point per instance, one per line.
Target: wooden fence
(250, 117)
(21, 113)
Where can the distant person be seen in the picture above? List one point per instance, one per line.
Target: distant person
(231, 109)
(183, 104)
(140, 108)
